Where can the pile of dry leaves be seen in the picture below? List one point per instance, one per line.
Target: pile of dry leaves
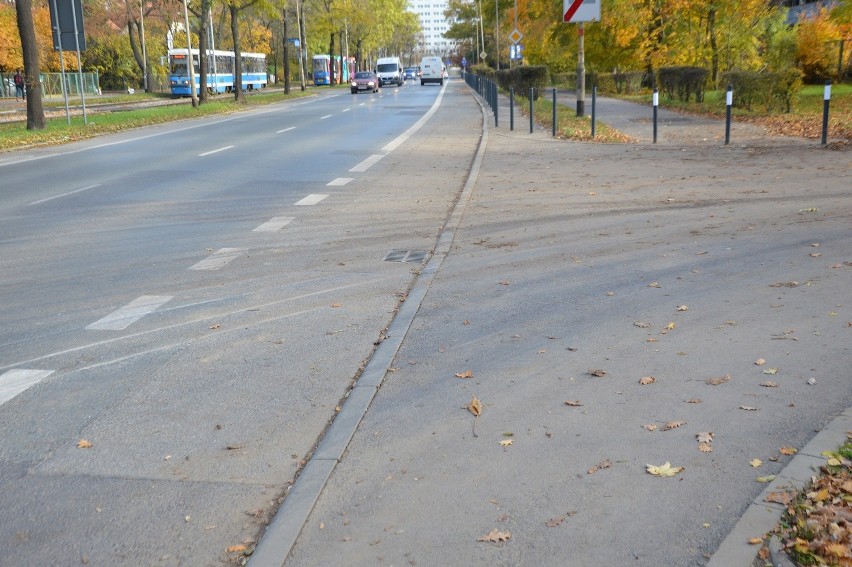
(817, 526)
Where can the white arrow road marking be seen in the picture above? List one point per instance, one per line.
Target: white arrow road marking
(312, 199)
(274, 224)
(16, 381)
(130, 313)
(218, 259)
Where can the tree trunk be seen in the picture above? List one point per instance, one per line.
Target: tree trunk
(238, 60)
(203, 43)
(714, 46)
(32, 70)
(331, 66)
(303, 51)
(286, 47)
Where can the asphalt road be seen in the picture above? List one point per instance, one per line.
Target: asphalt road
(194, 300)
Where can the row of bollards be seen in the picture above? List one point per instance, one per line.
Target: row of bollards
(488, 90)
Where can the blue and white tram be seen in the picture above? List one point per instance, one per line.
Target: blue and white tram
(220, 71)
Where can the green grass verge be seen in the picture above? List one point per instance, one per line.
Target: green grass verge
(568, 124)
(14, 135)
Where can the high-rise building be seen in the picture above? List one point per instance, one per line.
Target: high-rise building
(433, 24)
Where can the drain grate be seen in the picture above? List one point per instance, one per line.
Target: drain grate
(406, 256)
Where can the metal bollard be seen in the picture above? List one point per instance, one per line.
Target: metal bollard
(496, 104)
(826, 99)
(656, 102)
(554, 113)
(729, 102)
(512, 109)
(531, 110)
(594, 96)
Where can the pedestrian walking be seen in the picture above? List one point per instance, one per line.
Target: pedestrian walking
(19, 86)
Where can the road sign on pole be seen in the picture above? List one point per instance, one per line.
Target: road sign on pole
(516, 36)
(574, 11)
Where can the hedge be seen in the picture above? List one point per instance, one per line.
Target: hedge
(773, 91)
(683, 82)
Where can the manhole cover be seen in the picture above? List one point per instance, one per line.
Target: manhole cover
(407, 256)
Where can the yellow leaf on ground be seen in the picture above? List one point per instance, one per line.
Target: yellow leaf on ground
(682, 308)
(666, 469)
(755, 541)
(650, 427)
(597, 372)
(771, 371)
(84, 444)
(755, 462)
(789, 450)
(475, 406)
(673, 424)
(573, 403)
(236, 548)
(505, 442)
(671, 326)
(465, 374)
(647, 380)
(760, 362)
(496, 536)
(718, 380)
(705, 448)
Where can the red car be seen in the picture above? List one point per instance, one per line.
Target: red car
(364, 81)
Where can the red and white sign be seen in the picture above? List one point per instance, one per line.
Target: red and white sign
(574, 11)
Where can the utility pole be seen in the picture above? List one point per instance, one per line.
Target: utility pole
(286, 55)
(303, 56)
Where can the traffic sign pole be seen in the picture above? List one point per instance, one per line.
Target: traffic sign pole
(581, 71)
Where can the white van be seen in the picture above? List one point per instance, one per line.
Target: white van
(432, 69)
(389, 70)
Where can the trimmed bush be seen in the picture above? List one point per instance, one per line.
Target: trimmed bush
(683, 82)
(773, 91)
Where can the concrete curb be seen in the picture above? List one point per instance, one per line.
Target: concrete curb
(762, 516)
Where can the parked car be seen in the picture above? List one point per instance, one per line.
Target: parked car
(410, 73)
(364, 81)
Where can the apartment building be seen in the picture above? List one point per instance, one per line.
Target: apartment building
(433, 25)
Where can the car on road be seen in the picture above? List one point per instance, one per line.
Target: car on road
(364, 81)
(411, 73)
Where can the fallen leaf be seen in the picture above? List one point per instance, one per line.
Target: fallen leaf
(553, 522)
(760, 362)
(755, 541)
(335, 305)
(652, 340)
(236, 548)
(641, 324)
(217, 326)
(769, 384)
(783, 498)
(811, 381)
(653, 284)
(542, 351)
(755, 463)
(748, 408)
(815, 244)
(673, 425)
(647, 380)
(670, 326)
(573, 403)
(475, 406)
(789, 450)
(597, 372)
(815, 254)
(693, 401)
(505, 442)
(650, 427)
(716, 381)
(465, 322)
(704, 437)
(605, 464)
(682, 308)
(496, 536)
(84, 444)
(705, 448)
(465, 374)
(666, 469)
(771, 371)
(784, 284)
(505, 282)
(765, 479)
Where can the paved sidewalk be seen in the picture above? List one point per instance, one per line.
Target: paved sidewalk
(566, 273)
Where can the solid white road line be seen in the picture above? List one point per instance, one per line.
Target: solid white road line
(130, 313)
(16, 381)
(274, 224)
(286, 130)
(417, 125)
(39, 202)
(326, 116)
(216, 151)
(339, 182)
(346, 110)
(218, 259)
(312, 199)
(367, 163)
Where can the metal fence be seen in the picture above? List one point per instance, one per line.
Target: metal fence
(51, 84)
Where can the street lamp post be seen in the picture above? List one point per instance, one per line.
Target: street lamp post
(144, 52)
(190, 61)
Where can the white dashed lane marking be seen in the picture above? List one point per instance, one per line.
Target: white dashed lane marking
(218, 259)
(339, 182)
(16, 381)
(367, 163)
(286, 130)
(274, 224)
(130, 313)
(326, 116)
(216, 151)
(40, 201)
(310, 200)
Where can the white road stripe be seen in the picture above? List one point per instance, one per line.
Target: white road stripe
(130, 313)
(312, 199)
(274, 224)
(346, 110)
(16, 381)
(39, 202)
(286, 130)
(326, 116)
(417, 125)
(367, 163)
(216, 151)
(339, 182)
(218, 259)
